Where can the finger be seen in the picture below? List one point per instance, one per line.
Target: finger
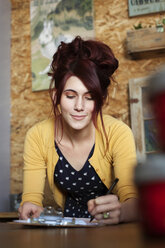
(91, 205)
(112, 218)
(110, 221)
(105, 199)
(37, 212)
(111, 215)
(113, 221)
(27, 213)
(24, 216)
(106, 208)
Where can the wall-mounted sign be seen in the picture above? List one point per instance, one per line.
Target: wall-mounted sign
(143, 7)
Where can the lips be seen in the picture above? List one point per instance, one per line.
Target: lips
(78, 117)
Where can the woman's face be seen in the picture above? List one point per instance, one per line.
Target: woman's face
(76, 104)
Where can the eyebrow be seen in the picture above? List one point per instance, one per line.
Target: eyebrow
(74, 91)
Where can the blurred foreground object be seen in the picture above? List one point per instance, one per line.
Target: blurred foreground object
(150, 174)
(156, 88)
(150, 180)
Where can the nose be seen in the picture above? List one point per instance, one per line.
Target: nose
(79, 104)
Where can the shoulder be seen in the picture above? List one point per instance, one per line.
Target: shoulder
(116, 130)
(43, 130)
(120, 136)
(114, 124)
(42, 126)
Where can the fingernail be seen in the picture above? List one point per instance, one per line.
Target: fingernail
(97, 201)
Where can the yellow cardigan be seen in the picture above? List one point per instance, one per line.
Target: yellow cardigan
(40, 159)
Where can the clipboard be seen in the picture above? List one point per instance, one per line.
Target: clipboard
(54, 218)
(55, 221)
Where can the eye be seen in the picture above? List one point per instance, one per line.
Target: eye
(88, 97)
(70, 95)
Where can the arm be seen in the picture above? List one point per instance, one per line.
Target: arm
(34, 171)
(118, 212)
(122, 206)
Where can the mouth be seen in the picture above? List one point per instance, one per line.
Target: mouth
(78, 117)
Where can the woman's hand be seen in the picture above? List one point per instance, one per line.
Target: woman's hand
(106, 209)
(28, 210)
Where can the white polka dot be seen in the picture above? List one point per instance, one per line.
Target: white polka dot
(95, 187)
(79, 210)
(72, 172)
(87, 183)
(79, 178)
(73, 214)
(61, 183)
(93, 178)
(81, 187)
(68, 188)
(67, 178)
(67, 210)
(56, 175)
(74, 184)
(89, 166)
(66, 165)
(61, 158)
(86, 212)
(73, 207)
(61, 171)
(92, 193)
(85, 174)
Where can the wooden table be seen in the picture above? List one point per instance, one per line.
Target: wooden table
(118, 236)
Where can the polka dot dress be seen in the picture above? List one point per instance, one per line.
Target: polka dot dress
(79, 186)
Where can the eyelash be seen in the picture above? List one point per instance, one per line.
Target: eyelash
(70, 97)
(88, 98)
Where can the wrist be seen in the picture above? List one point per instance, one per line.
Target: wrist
(129, 211)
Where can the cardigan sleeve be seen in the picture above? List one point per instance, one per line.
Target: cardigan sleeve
(34, 171)
(124, 161)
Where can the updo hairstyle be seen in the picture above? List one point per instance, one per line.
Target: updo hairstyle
(93, 62)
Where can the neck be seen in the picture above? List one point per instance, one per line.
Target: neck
(67, 134)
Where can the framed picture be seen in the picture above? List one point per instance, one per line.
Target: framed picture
(142, 119)
(53, 21)
(143, 7)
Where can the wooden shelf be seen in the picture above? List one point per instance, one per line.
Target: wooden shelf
(146, 40)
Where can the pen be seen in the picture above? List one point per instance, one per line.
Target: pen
(109, 192)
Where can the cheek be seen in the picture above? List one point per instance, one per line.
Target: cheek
(65, 105)
(91, 107)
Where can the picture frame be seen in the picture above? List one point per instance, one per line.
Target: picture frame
(52, 22)
(143, 7)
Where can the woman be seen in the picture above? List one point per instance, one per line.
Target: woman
(81, 150)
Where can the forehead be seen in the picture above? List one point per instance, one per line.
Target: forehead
(75, 84)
